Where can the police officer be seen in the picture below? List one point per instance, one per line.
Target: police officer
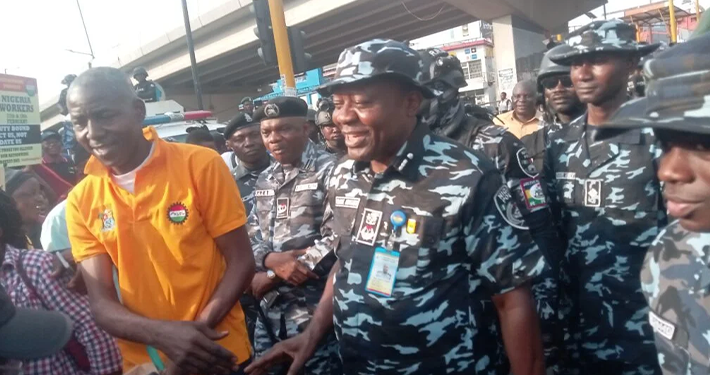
(247, 105)
(675, 277)
(608, 199)
(333, 138)
(560, 102)
(428, 266)
(447, 117)
(288, 212)
(243, 136)
(147, 90)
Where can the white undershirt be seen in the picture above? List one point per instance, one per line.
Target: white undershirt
(128, 181)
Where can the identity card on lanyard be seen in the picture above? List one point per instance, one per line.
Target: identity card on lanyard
(385, 262)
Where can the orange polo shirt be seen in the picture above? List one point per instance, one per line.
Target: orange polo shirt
(517, 127)
(161, 239)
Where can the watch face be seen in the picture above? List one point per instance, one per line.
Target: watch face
(270, 274)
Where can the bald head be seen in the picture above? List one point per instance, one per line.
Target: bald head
(110, 80)
(524, 100)
(108, 117)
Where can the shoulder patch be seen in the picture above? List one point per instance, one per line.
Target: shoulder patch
(526, 164)
(534, 194)
(508, 209)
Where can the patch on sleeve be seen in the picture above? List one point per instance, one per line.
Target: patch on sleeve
(661, 326)
(508, 209)
(526, 163)
(534, 194)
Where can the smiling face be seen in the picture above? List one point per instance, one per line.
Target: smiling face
(561, 97)
(375, 117)
(685, 170)
(600, 76)
(107, 123)
(29, 199)
(52, 146)
(285, 138)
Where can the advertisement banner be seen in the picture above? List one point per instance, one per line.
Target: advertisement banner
(20, 134)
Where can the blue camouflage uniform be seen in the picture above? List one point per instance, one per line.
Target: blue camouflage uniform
(455, 252)
(447, 117)
(676, 272)
(288, 212)
(610, 206)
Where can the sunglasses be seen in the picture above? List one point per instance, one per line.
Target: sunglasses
(552, 82)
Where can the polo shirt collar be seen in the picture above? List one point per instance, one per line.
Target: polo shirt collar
(95, 168)
(407, 160)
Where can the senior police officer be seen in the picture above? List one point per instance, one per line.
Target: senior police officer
(288, 212)
(430, 276)
(446, 116)
(243, 136)
(676, 276)
(609, 202)
(333, 138)
(560, 102)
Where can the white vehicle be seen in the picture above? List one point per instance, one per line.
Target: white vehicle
(173, 125)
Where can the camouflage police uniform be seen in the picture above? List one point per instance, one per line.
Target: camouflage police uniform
(609, 201)
(676, 272)
(456, 250)
(246, 181)
(288, 212)
(521, 177)
(536, 143)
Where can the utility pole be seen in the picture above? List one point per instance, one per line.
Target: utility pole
(86, 32)
(674, 26)
(193, 61)
(283, 47)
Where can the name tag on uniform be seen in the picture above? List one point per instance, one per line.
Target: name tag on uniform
(305, 187)
(383, 270)
(661, 326)
(345, 202)
(264, 193)
(565, 175)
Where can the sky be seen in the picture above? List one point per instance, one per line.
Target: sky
(38, 33)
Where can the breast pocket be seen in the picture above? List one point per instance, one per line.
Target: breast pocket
(566, 191)
(422, 256)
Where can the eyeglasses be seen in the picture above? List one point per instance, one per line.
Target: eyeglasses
(552, 82)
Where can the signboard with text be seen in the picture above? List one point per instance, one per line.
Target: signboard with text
(20, 134)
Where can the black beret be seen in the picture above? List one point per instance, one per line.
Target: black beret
(239, 121)
(284, 106)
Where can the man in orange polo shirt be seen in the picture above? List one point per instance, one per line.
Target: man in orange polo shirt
(168, 217)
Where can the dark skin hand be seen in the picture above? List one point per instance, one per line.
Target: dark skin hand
(261, 284)
(76, 284)
(190, 346)
(300, 349)
(287, 267)
(520, 327)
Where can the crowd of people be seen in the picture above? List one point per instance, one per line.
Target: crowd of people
(393, 230)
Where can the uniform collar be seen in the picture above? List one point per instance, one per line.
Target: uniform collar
(409, 156)
(627, 137)
(95, 168)
(308, 159)
(242, 171)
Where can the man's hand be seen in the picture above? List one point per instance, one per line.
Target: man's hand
(192, 348)
(299, 349)
(76, 284)
(261, 284)
(287, 267)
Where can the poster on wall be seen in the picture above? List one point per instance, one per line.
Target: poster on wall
(20, 134)
(506, 79)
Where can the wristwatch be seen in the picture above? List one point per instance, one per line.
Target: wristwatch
(270, 274)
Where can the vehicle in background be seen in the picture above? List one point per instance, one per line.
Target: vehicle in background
(172, 123)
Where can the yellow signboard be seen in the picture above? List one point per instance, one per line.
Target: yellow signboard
(20, 134)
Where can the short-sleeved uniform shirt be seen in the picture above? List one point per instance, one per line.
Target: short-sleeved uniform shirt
(456, 252)
(161, 239)
(676, 282)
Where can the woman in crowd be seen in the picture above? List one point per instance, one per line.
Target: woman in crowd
(27, 277)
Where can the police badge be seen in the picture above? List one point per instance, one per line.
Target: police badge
(593, 193)
(369, 225)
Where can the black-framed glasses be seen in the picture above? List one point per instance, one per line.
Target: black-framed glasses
(552, 82)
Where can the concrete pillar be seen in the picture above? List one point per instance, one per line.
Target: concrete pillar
(518, 46)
